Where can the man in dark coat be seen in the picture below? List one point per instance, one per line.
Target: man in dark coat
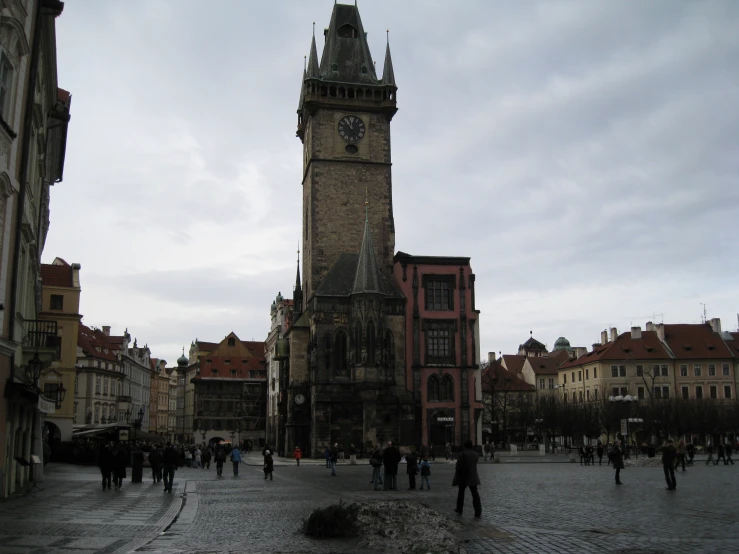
(169, 463)
(466, 476)
(105, 463)
(205, 457)
(120, 459)
(333, 456)
(391, 459)
(412, 469)
(155, 460)
(669, 454)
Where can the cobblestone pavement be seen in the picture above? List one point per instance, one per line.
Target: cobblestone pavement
(526, 508)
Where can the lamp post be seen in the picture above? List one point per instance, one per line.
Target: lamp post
(34, 368)
(137, 456)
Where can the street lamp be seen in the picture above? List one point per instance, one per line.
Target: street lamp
(35, 366)
(61, 393)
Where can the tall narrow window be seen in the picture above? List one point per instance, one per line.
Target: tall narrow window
(432, 392)
(340, 349)
(447, 389)
(371, 343)
(6, 86)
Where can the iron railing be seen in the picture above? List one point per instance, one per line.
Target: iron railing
(41, 334)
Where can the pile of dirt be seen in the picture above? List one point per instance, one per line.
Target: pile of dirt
(404, 527)
(644, 461)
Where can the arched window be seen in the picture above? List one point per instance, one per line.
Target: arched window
(370, 343)
(357, 342)
(232, 341)
(432, 389)
(340, 349)
(447, 389)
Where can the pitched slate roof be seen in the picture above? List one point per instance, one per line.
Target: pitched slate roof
(344, 57)
(733, 343)
(341, 278)
(367, 277)
(648, 347)
(543, 365)
(56, 275)
(94, 343)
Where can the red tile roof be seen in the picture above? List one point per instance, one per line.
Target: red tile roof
(734, 344)
(543, 365)
(495, 378)
(62, 95)
(207, 346)
(56, 275)
(695, 341)
(514, 362)
(90, 340)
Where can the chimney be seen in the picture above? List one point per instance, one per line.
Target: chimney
(76, 275)
(660, 328)
(603, 337)
(716, 325)
(614, 334)
(491, 358)
(596, 345)
(106, 330)
(650, 326)
(580, 351)
(636, 332)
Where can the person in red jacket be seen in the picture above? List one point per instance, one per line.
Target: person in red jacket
(298, 454)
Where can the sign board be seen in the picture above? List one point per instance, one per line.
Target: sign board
(123, 434)
(624, 427)
(46, 406)
(35, 459)
(445, 419)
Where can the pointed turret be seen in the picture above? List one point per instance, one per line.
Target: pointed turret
(388, 75)
(367, 278)
(346, 55)
(302, 87)
(298, 291)
(313, 69)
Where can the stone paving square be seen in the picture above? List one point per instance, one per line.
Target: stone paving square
(544, 507)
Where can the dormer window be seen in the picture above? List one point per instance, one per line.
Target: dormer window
(364, 69)
(347, 31)
(232, 341)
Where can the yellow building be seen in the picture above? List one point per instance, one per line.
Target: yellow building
(60, 302)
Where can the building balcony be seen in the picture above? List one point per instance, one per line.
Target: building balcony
(41, 338)
(124, 398)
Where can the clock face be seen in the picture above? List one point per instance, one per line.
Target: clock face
(299, 398)
(351, 128)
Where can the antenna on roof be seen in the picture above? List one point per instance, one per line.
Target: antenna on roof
(704, 319)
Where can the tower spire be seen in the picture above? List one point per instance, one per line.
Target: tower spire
(388, 75)
(367, 278)
(313, 69)
(298, 291)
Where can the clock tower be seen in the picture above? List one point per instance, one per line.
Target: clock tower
(344, 120)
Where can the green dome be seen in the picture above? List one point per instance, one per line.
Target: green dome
(562, 344)
(279, 297)
(182, 360)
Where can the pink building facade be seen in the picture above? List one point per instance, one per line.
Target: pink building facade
(442, 347)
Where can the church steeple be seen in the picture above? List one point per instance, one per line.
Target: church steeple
(367, 278)
(313, 69)
(388, 75)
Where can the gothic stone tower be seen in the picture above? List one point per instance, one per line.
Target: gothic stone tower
(347, 349)
(344, 124)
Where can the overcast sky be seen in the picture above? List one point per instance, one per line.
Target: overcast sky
(584, 154)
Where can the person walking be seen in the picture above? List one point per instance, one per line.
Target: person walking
(297, 454)
(709, 449)
(682, 450)
(352, 454)
(236, 459)
(333, 455)
(447, 450)
(425, 472)
(155, 460)
(198, 458)
(376, 463)
(691, 453)
(617, 458)
(220, 458)
(188, 458)
(391, 459)
(599, 451)
(465, 476)
(411, 469)
(206, 458)
(728, 449)
(327, 453)
(669, 455)
(169, 465)
(340, 448)
(269, 464)
(120, 459)
(721, 453)
(486, 450)
(105, 463)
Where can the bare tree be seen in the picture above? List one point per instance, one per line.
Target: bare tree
(504, 395)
